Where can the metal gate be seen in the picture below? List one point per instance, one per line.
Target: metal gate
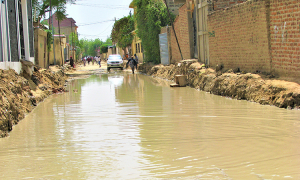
(203, 48)
(164, 52)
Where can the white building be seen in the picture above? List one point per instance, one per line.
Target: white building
(16, 29)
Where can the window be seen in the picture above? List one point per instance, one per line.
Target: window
(139, 50)
(142, 49)
(136, 48)
(21, 30)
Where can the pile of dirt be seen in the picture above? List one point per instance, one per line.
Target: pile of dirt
(19, 96)
(246, 86)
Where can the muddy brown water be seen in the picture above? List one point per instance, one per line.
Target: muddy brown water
(124, 126)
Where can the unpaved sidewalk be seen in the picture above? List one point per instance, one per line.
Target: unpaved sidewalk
(80, 69)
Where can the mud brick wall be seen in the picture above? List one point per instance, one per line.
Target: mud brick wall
(285, 36)
(238, 37)
(181, 26)
(221, 4)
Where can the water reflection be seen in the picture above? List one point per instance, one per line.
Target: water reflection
(125, 126)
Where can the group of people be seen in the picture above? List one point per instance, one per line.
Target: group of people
(133, 61)
(89, 59)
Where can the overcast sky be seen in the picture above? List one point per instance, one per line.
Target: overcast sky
(95, 18)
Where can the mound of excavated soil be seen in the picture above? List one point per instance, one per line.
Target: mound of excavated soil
(19, 96)
(251, 87)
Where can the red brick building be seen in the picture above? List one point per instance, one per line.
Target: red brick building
(253, 35)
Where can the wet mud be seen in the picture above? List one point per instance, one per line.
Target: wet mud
(243, 86)
(20, 95)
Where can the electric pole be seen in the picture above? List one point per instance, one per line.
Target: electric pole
(51, 17)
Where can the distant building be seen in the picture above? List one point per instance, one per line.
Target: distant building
(16, 29)
(67, 26)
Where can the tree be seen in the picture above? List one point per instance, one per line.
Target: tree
(40, 7)
(122, 32)
(150, 16)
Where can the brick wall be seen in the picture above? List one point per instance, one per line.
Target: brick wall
(285, 36)
(239, 37)
(181, 26)
(221, 4)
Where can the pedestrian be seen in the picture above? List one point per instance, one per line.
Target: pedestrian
(89, 60)
(84, 61)
(72, 62)
(99, 57)
(132, 63)
(136, 60)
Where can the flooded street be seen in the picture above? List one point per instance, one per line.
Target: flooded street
(124, 126)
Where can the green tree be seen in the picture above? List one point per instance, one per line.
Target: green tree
(104, 48)
(150, 16)
(40, 7)
(121, 32)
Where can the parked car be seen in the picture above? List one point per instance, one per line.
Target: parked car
(114, 61)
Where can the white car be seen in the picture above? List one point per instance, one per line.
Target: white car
(114, 61)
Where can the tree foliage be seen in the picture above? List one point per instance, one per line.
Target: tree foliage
(43, 6)
(91, 47)
(121, 32)
(150, 16)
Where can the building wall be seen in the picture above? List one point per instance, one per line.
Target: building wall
(13, 32)
(183, 32)
(221, 4)
(66, 31)
(30, 27)
(174, 7)
(137, 48)
(59, 51)
(285, 37)
(40, 44)
(238, 37)
(13, 50)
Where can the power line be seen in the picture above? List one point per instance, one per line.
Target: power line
(95, 23)
(105, 6)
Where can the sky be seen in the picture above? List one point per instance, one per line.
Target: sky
(95, 18)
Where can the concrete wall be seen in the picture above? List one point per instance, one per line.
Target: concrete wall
(13, 50)
(238, 37)
(59, 51)
(66, 31)
(13, 32)
(137, 48)
(40, 45)
(285, 37)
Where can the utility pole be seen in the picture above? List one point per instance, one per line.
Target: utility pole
(72, 39)
(173, 29)
(51, 17)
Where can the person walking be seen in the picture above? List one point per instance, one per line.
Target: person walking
(132, 63)
(72, 62)
(84, 61)
(136, 61)
(99, 61)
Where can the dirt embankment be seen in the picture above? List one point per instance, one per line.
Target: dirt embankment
(19, 95)
(246, 86)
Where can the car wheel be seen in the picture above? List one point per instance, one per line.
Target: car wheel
(108, 69)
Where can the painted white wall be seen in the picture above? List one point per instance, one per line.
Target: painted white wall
(25, 29)
(17, 66)
(7, 64)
